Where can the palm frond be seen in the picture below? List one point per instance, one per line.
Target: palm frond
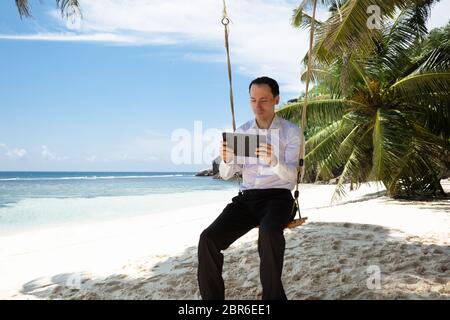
(361, 72)
(336, 158)
(322, 134)
(419, 170)
(24, 8)
(329, 148)
(391, 137)
(302, 20)
(327, 79)
(395, 50)
(437, 60)
(357, 165)
(433, 113)
(352, 32)
(321, 149)
(434, 83)
(320, 111)
(318, 135)
(297, 15)
(68, 8)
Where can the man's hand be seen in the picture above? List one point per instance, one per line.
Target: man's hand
(226, 152)
(265, 152)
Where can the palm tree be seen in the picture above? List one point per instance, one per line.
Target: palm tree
(67, 7)
(380, 108)
(298, 13)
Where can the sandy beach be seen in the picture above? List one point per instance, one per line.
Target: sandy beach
(367, 246)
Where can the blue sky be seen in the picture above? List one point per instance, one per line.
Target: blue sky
(107, 93)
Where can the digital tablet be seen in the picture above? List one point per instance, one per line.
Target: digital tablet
(243, 144)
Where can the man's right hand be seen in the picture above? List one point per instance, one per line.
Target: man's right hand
(226, 152)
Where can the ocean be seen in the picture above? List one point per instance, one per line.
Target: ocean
(30, 200)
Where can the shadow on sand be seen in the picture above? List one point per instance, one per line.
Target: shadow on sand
(322, 261)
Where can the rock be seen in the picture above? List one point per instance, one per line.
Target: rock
(333, 181)
(204, 173)
(214, 171)
(215, 165)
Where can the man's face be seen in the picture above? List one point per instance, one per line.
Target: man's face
(262, 100)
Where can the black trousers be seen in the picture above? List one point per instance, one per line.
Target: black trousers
(271, 210)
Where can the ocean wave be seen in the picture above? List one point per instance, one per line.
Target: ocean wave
(97, 177)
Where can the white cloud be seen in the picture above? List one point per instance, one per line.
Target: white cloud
(13, 153)
(204, 57)
(72, 37)
(140, 157)
(261, 38)
(144, 148)
(47, 154)
(151, 158)
(126, 156)
(150, 133)
(16, 153)
(91, 158)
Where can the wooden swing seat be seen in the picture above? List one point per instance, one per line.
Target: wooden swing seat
(296, 223)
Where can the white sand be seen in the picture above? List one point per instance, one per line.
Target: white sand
(336, 255)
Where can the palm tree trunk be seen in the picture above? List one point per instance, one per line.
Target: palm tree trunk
(308, 77)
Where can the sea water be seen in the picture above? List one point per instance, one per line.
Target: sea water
(31, 200)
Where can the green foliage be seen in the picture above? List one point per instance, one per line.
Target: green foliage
(380, 107)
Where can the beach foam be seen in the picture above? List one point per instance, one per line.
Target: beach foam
(97, 177)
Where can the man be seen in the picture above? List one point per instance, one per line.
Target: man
(266, 199)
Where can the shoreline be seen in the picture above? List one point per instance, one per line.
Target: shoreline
(154, 256)
(106, 208)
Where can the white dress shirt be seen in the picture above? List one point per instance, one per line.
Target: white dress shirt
(284, 136)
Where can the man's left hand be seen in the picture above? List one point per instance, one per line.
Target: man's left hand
(265, 152)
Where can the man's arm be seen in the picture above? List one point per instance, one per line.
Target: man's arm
(227, 167)
(287, 169)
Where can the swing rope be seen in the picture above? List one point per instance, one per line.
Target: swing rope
(301, 163)
(301, 156)
(226, 21)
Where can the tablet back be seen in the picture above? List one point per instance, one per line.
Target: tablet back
(244, 144)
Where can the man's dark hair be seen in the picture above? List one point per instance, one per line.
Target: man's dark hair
(269, 81)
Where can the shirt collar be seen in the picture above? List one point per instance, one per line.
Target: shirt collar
(273, 125)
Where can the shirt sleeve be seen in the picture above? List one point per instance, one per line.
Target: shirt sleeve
(227, 170)
(286, 169)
